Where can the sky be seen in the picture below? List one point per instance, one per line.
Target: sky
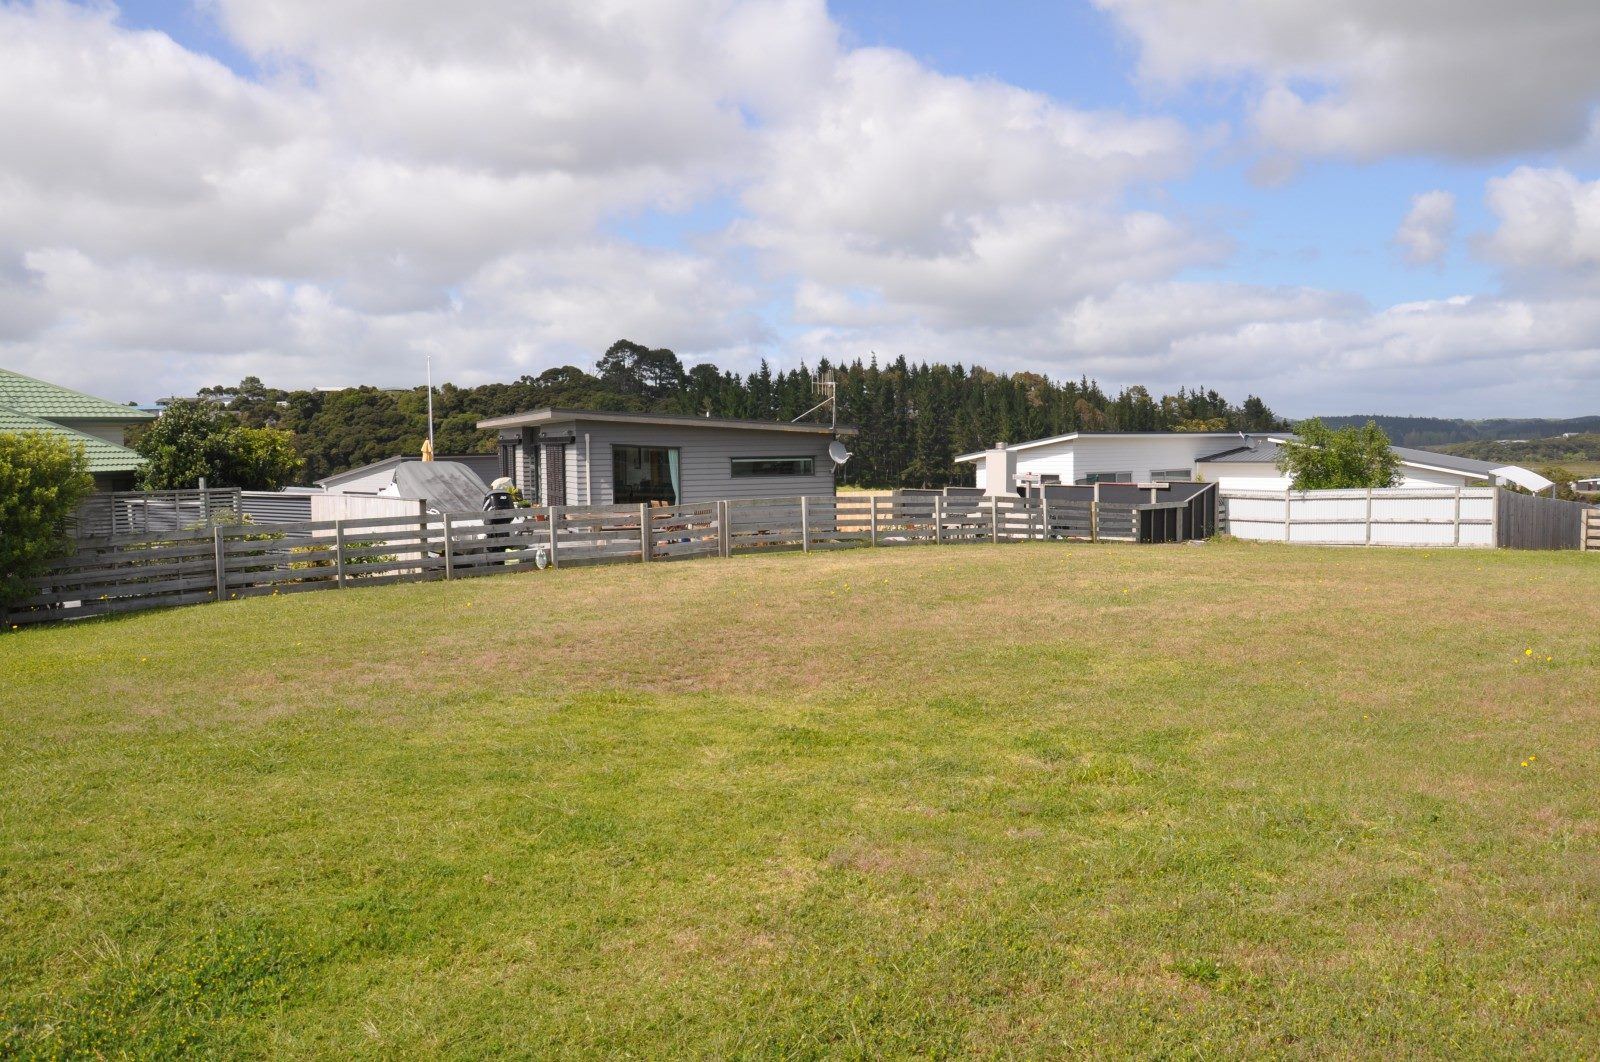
(1343, 206)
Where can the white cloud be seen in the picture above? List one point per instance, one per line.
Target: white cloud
(1366, 78)
(904, 193)
(398, 182)
(1549, 226)
(1424, 236)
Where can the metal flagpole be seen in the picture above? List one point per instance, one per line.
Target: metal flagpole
(430, 403)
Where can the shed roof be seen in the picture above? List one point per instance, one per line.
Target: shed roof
(103, 456)
(54, 402)
(553, 415)
(445, 485)
(1074, 435)
(399, 459)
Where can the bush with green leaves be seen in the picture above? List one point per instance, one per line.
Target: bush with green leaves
(197, 439)
(43, 480)
(1326, 458)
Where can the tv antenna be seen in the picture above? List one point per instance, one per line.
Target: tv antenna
(827, 386)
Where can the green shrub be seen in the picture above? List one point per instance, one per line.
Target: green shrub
(43, 480)
(1324, 458)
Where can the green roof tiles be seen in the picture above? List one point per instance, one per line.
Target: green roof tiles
(103, 456)
(50, 402)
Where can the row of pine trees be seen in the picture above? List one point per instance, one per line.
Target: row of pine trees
(914, 418)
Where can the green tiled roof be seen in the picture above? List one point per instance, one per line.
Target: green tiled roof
(103, 456)
(39, 399)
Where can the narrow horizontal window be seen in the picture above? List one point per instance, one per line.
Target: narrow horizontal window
(1107, 477)
(773, 466)
(1171, 475)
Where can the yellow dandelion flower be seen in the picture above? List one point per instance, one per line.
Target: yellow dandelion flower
(1527, 652)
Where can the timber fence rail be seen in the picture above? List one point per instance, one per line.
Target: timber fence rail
(132, 572)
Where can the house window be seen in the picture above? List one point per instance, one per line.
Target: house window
(773, 466)
(1107, 477)
(644, 474)
(1172, 475)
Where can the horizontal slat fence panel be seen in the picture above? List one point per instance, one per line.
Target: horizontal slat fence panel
(128, 573)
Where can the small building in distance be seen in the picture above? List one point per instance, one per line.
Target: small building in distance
(1233, 460)
(589, 457)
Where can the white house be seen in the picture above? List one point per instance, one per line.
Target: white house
(1233, 460)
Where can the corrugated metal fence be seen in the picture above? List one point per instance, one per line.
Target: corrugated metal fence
(116, 513)
(1407, 516)
(152, 571)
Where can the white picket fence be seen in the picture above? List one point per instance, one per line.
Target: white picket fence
(1392, 516)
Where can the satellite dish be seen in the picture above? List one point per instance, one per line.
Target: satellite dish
(837, 452)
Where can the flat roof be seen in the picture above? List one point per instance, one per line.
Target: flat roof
(551, 415)
(1072, 435)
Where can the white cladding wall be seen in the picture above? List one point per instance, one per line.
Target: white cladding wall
(1241, 475)
(112, 431)
(371, 483)
(1138, 455)
(1236, 475)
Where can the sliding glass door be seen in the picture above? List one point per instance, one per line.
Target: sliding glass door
(645, 474)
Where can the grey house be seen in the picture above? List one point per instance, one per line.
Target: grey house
(585, 457)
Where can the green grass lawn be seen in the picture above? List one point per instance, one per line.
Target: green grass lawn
(991, 800)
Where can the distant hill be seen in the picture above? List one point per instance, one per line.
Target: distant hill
(1577, 452)
(1436, 431)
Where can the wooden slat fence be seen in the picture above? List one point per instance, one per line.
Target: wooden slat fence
(132, 572)
(1526, 521)
(1591, 529)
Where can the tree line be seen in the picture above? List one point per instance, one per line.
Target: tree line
(914, 418)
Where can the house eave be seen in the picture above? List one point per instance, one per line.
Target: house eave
(550, 415)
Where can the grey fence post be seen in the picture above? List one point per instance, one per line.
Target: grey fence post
(938, 519)
(805, 524)
(994, 518)
(1286, 511)
(553, 521)
(644, 531)
(449, 551)
(219, 553)
(1044, 516)
(1094, 514)
(338, 552)
(874, 519)
(1456, 540)
(1369, 515)
(724, 541)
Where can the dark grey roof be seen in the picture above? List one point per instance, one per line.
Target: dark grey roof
(445, 485)
(479, 463)
(552, 415)
(1450, 461)
(1266, 452)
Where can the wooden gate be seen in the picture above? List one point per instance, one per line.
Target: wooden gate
(1591, 529)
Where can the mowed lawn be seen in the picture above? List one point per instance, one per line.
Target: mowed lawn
(982, 800)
